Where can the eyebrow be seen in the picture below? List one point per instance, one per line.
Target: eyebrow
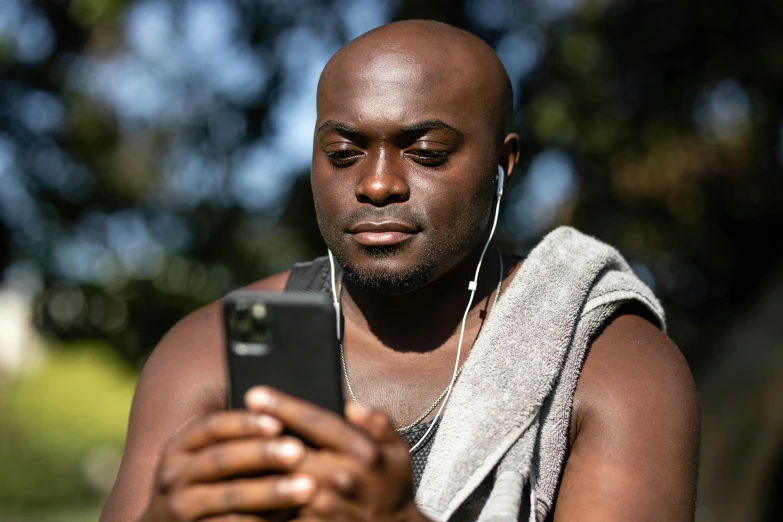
(429, 125)
(419, 127)
(331, 125)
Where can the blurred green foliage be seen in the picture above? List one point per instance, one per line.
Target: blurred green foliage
(154, 154)
(63, 428)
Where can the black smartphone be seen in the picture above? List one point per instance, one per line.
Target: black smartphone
(287, 341)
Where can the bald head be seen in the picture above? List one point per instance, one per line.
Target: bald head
(413, 123)
(442, 58)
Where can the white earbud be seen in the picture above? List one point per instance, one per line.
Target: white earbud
(501, 181)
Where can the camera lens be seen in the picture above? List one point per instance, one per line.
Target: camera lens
(249, 323)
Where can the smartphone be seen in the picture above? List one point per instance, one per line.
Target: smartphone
(284, 340)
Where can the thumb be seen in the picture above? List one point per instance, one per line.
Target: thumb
(374, 423)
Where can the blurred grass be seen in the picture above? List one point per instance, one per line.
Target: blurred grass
(85, 514)
(62, 429)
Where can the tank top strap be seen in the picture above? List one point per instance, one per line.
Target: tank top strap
(310, 276)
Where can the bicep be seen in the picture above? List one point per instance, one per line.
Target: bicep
(635, 453)
(183, 379)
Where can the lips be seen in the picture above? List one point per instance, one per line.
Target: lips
(384, 233)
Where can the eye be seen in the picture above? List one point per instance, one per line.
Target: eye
(342, 158)
(429, 157)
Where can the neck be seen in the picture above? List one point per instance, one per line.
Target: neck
(425, 319)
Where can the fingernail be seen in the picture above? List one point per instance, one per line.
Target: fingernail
(300, 488)
(260, 398)
(359, 410)
(288, 450)
(268, 424)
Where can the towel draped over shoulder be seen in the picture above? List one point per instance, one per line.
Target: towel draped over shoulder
(505, 431)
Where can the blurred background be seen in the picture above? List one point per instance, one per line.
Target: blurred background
(154, 154)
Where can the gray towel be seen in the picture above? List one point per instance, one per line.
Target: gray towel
(508, 418)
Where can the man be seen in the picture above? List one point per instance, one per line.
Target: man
(413, 123)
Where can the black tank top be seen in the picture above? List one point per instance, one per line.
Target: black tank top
(313, 276)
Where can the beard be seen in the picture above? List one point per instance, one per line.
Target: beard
(383, 280)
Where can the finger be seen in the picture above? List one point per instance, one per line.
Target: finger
(336, 471)
(235, 517)
(374, 423)
(225, 426)
(228, 459)
(242, 495)
(326, 505)
(318, 425)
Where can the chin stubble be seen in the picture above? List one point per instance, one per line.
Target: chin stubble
(387, 282)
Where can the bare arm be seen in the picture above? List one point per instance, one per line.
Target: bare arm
(635, 430)
(184, 378)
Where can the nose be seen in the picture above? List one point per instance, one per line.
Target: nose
(382, 183)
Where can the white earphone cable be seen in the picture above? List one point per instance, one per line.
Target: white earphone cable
(472, 286)
(335, 297)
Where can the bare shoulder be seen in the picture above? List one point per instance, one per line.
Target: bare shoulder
(632, 364)
(192, 351)
(635, 429)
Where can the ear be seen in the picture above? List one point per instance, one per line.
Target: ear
(509, 156)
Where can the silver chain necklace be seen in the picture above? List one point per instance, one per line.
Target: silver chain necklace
(442, 395)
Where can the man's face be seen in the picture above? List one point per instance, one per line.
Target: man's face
(404, 163)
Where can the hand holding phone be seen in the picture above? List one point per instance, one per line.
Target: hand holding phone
(288, 342)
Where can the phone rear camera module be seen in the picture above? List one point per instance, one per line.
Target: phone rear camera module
(250, 323)
(259, 311)
(253, 349)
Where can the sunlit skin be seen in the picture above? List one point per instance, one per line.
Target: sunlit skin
(389, 149)
(413, 122)
(389, 144)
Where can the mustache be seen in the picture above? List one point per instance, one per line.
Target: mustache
(390, 213)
